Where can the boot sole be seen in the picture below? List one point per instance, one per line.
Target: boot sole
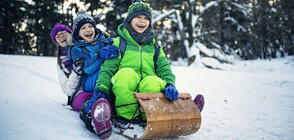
(101, 115)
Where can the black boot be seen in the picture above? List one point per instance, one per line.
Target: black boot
(86, 117)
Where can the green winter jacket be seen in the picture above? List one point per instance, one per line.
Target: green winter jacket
(139, 58)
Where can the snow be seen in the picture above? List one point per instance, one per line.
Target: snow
(208, 5)
(250, 100)
(99, 110)
(159, 16)
(243, 8)
(209, 61)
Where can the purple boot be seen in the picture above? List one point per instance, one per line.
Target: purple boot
(199, 101)
(101, 115)
(79, 99)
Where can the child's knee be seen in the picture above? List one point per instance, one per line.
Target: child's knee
(79, 99)
(151, 84)
(124, 77)
(126, 72)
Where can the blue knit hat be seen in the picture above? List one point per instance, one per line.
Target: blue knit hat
(82, 18)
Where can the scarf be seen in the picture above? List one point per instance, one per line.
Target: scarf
(145, 37)
(65, 60)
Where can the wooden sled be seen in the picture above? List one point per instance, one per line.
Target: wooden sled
(168, 118)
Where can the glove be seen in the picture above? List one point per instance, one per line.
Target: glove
(78, 65)
(170, 92)
(97, 95)
(108, 52)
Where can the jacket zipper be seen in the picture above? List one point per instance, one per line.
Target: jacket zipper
(140, 61)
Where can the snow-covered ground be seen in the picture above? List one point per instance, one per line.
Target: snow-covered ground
(252, 100)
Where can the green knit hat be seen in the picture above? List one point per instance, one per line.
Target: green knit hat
(138, 8)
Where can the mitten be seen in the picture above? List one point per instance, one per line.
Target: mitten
(78, 65)
(108, 52)
(97, 95)
(170, 92)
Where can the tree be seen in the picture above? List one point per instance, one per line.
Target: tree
(230, 32)
(13, 39)
(282, 22)
(116, 14)
(203, 37)
(198, 31)
(41, 19)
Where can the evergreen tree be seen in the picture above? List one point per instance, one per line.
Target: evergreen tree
(225, 26)
(166, 28)
(250, 28)
(12, 37)
(282, 16)
(117, 13)
(41, 19)
(94, 7)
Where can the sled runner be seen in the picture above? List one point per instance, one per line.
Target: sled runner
(167, 118)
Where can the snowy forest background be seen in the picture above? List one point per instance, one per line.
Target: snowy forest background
(203, 33)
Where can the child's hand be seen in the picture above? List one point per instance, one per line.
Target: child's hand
(108, 52)
(170, 92)
(96, 95)
(78, 65)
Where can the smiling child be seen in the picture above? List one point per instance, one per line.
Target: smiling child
(93, 48)
(136, 71)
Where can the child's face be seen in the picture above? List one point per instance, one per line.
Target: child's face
(140, 23)
(60, 38)
(87, 32)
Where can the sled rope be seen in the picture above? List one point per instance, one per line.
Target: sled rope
(132, 118)
(133, 114)
(126, 105)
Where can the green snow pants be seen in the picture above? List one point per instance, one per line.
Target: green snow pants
(125, 83)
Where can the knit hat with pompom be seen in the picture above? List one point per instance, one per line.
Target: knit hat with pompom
(82, 18)
(139, 8)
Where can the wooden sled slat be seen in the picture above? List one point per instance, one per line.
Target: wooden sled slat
(167, 118)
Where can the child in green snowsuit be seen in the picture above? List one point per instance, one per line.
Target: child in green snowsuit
(135, 71)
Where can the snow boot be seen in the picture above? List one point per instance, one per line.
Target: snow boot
(79, 100)
(199, 101)
(86, 117)
(101, 115)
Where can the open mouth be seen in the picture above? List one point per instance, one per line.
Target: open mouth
(89, 35)
(141, 26)
(63, 41)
